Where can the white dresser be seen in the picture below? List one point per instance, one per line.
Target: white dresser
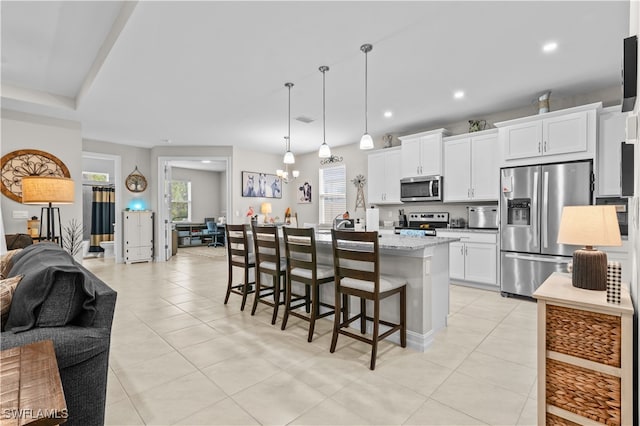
(137, 236)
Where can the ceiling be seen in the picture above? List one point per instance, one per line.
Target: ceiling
(213, 73)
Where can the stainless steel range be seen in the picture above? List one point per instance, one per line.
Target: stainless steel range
(424, 223)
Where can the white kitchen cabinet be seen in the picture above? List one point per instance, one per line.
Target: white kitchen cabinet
(138, 236)
(384, 176)
(471, 170)
(473, 259)
(557, 135)
(611, 134)
(564, 135)
(421, 153)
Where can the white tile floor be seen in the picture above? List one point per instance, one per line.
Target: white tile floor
(180, 356)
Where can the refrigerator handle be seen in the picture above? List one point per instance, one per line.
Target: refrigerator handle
(545, 259)
(534, 203)
(544, 220)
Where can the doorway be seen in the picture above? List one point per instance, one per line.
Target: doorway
(207, 200)
(109, 166)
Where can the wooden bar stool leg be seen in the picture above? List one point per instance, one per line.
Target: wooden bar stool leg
(376, 330)
(245, 288)
(336, 324)
(229, 283)
(257, 292)
(403, 317)
(307, 299)
(276, 298)
(363, 316)
(315, 300)
(345, 304)
(287, 305)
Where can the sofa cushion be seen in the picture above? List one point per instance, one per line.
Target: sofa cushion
(55, 291)
(7, 288)
(6, 262)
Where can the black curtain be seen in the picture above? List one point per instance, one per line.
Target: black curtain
(103, 216)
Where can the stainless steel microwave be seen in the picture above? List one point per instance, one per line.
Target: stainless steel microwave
(421, 188)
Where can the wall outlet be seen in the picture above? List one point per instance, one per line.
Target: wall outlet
(20, 214)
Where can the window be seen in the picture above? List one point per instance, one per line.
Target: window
(95, 177)
(180, 201)
(332, 193)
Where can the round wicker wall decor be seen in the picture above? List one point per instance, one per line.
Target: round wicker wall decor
(28, 162)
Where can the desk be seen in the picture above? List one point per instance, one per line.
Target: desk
(31, 388)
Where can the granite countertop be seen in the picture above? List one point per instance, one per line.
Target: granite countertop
(397, 242)
(479, 231)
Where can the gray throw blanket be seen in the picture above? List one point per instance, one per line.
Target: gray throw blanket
(44, 265)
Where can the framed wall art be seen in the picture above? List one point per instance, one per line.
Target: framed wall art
(28, 162)
(262, 185)
(304, 193)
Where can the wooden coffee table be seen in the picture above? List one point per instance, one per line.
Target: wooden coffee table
(31, 391)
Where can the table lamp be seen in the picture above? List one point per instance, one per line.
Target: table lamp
(589, 226)
(265, 209)
(48, 190)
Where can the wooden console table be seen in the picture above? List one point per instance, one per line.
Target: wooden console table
(31, 388)
(585, 355)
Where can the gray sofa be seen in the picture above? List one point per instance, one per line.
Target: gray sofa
(59, 300)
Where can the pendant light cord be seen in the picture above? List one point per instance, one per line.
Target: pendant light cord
(289, 120)
(324, 113)
(366, 112)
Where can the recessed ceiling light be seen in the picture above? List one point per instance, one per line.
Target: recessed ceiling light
(550, 47)
(458, 95)
(166, 140)
(206, 161)
(388, 114)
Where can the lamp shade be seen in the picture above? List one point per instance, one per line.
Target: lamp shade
(47, 189)
(265, 208)
(289, 158)
(325, 151)
(589, 226)
(366, 142)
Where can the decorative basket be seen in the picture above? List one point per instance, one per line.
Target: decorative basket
(588, 335)
(559, 421)
(588, 393)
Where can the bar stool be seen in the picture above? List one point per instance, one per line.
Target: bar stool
(239, 255)
(303, 267)
(268, 261)
(356, 260)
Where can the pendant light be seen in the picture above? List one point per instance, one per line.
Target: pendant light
(288, 155)
(366, 142)
(325, 151)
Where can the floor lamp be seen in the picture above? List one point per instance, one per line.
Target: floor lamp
(48, 190)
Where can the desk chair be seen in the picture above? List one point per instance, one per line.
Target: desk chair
(213, 232)
(356, 261)
(239, 255)
(303, 267)
(268, 262)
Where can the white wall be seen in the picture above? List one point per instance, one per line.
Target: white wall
(58, 137)
(251, 161)
(205, 192)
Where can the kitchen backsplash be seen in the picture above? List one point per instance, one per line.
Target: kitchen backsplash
(456, 210)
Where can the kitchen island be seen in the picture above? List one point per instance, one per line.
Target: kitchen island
(424, 263)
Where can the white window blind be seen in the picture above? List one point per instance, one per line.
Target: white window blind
(332, 193)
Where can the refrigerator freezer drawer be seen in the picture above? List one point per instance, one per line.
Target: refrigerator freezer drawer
(522, 273)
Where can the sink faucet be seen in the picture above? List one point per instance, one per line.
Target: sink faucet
(341, 225)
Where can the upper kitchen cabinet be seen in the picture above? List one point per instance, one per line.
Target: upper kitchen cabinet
(384, 176)
(471, 169)
(611, 134)
(564, 135)
(421, 153)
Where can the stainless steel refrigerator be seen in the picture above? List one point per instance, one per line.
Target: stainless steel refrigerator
(530, 208)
